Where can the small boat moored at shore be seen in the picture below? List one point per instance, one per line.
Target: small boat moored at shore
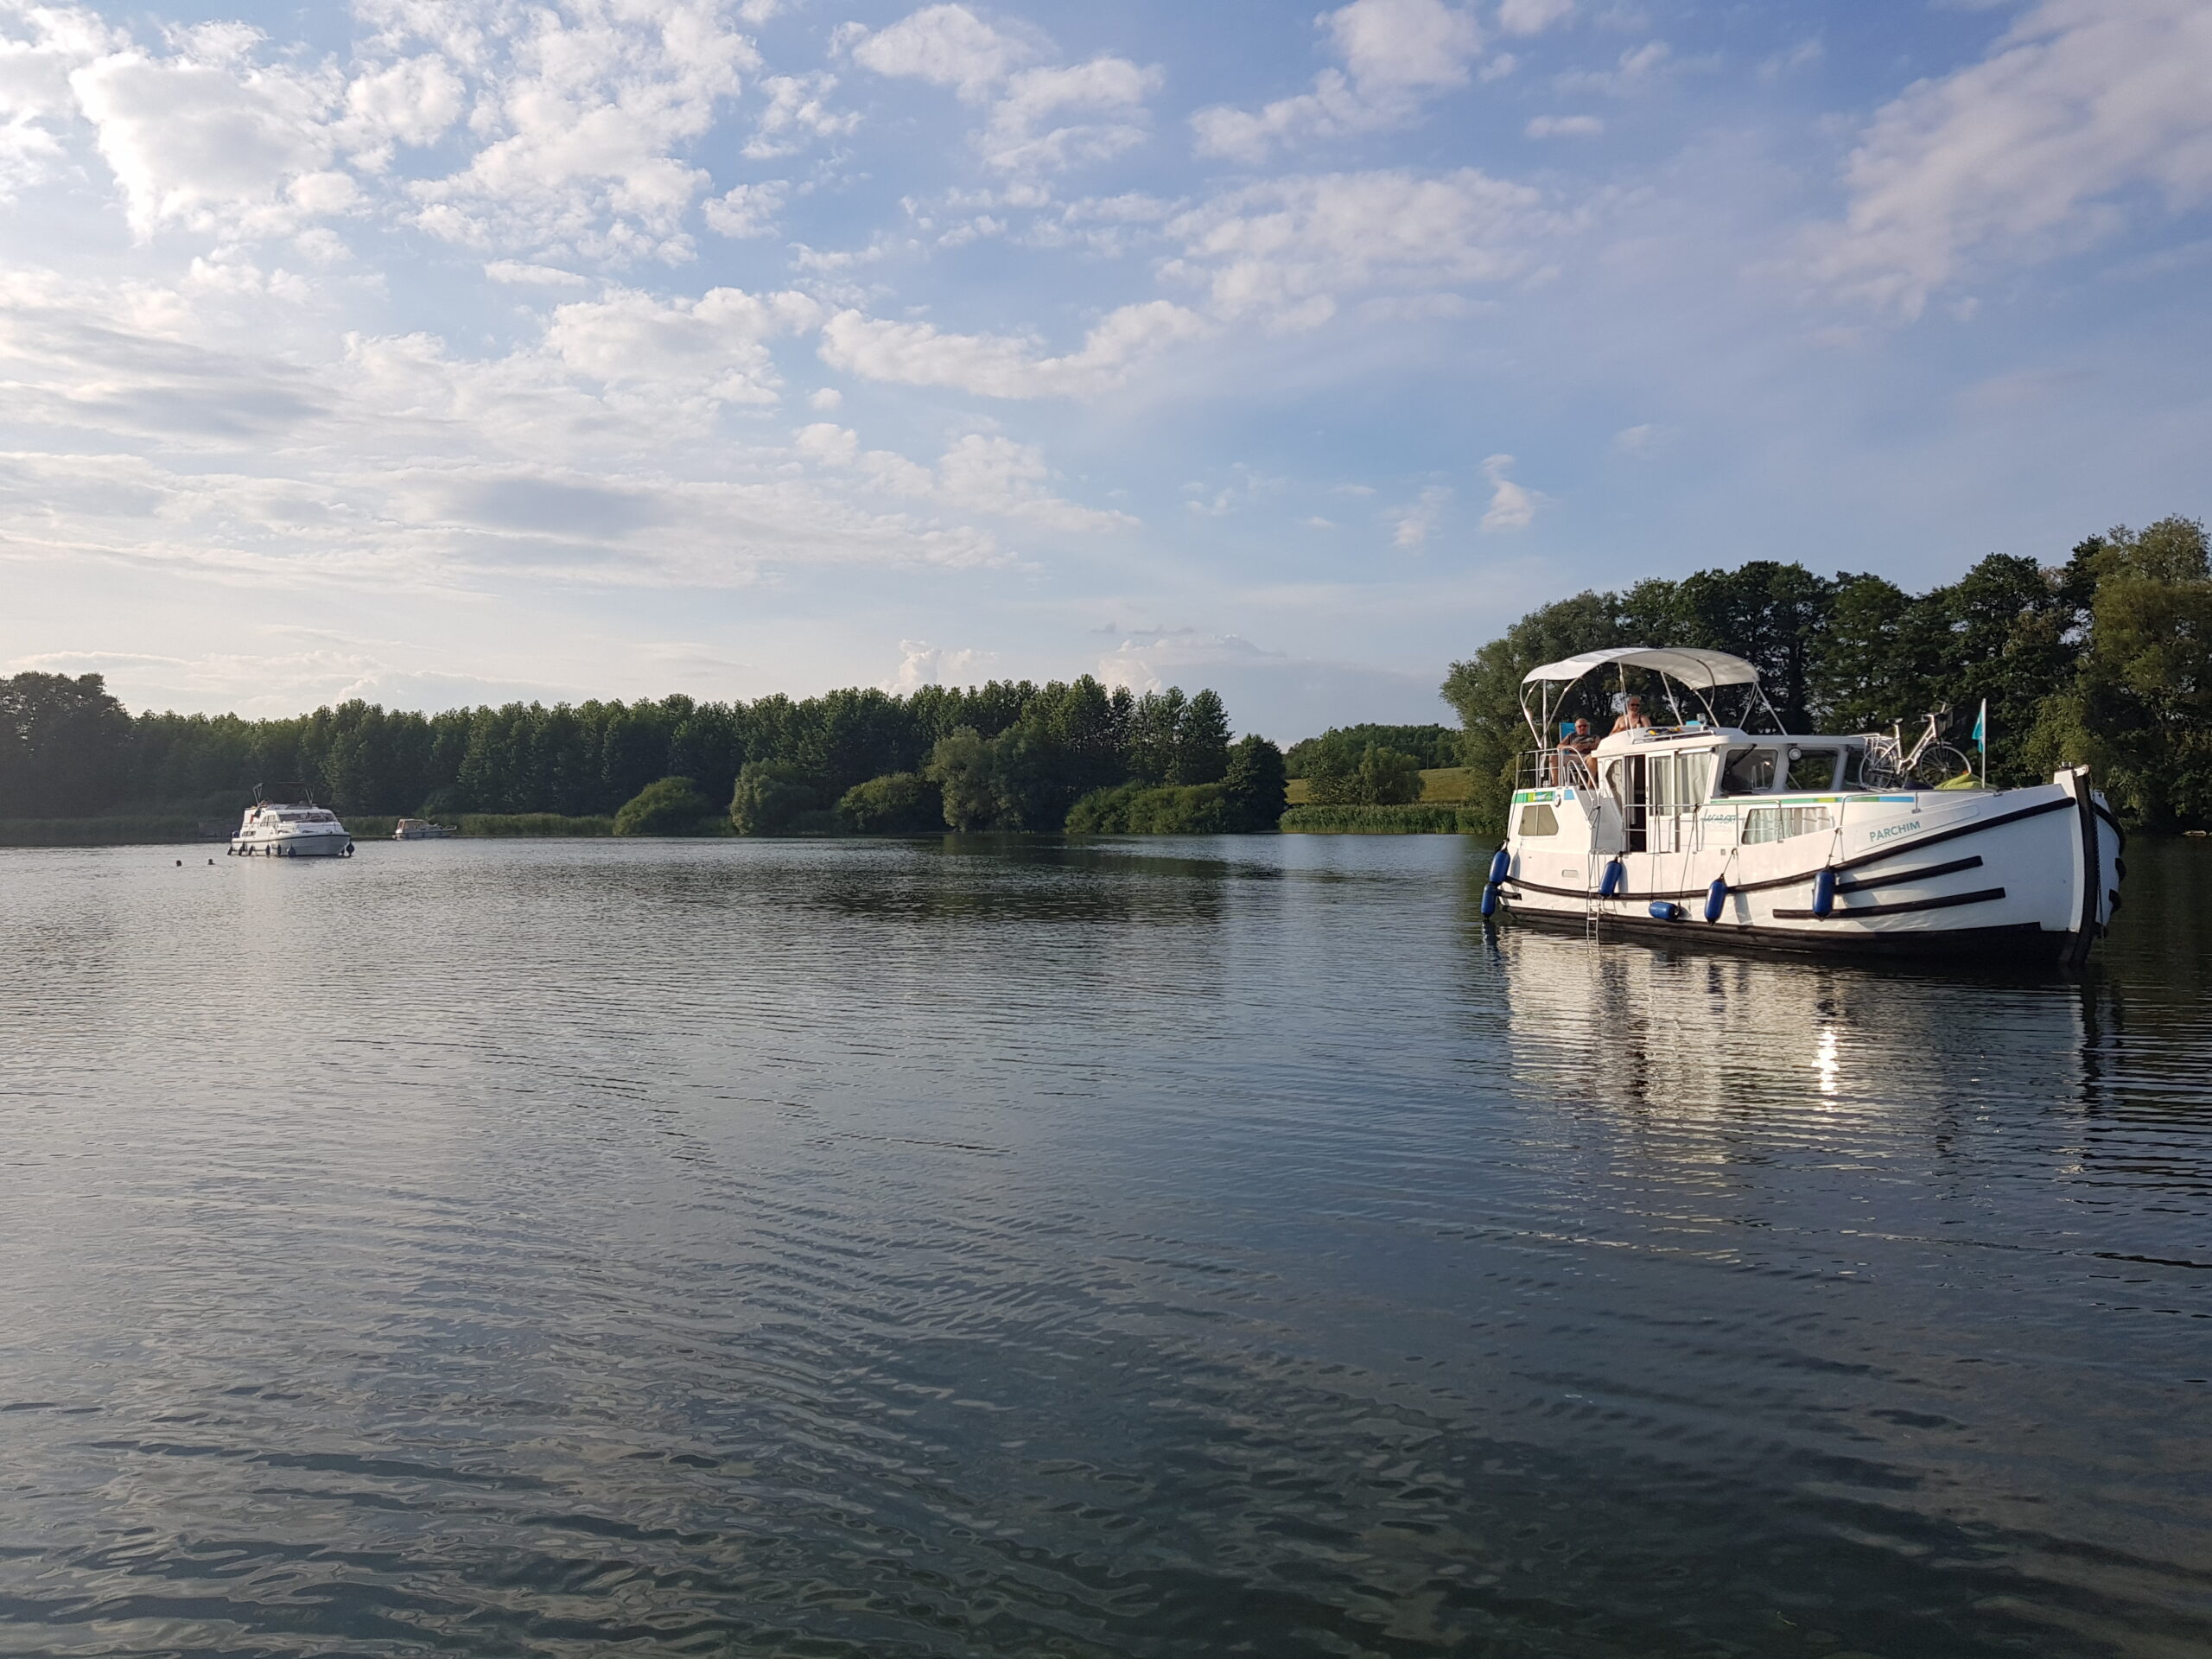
(421, 829)
(290, 826)
(1828, 845)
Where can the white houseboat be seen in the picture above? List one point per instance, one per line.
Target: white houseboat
(1856, 844)
(292, 826)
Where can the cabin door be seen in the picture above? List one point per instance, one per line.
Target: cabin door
(1678, 784)
(1627, 781)
(1665, 830)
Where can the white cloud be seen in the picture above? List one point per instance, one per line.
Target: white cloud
(985, 473)
(798, 108)
(747, 210)
(1288, 250)
(2022, 155)
(1532, 16)
(1512, 507)
(1001, 366)
(946, 45)
(713, 348)
(1405, 43)
(40, 47)
(1026, 133)
(211, 142)
(1563, 126)
(514, 271)
(583, 119)
(922, 663)
(413, 101)
(1416, 523)
(1644, 440)
(1394, 53)
(949, 46)
(1637, 68)
(980, 473)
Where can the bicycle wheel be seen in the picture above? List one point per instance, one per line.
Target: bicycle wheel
(1941, 766)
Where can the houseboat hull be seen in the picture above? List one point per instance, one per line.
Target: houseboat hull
(2027, 875)
(337, 846)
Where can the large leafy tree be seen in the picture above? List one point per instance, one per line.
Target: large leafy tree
(2139, 711)
(63, 745)
(1201, 753)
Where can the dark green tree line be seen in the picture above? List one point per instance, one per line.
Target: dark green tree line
(1024, 754)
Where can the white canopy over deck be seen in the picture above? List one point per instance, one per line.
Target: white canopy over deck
(1701, 671)
(1696, 672)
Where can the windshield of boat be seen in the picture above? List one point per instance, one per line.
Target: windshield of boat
(1814, 770)
(1750, 771)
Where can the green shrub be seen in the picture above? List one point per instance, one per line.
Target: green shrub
(1254, 785)
(769, 795)
(671, 806)
(1340, 747)
(1375, 777)
(1146, 810)
(1415, 820)
(898, 804)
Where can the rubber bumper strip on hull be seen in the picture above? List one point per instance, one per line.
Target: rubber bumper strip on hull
(1948, 901)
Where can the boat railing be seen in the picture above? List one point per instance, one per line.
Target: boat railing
(1554, 769)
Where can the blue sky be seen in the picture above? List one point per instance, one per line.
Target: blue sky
(435, 351)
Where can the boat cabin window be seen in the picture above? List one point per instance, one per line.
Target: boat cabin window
(1781, 822)
(1538, 821)
(1749, 772)
(1814, 770)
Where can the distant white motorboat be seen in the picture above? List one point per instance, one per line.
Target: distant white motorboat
(421, 829)
(291, 826)
(1845, 845)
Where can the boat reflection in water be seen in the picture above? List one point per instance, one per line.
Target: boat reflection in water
(1711, 1032)
(1894, 1250)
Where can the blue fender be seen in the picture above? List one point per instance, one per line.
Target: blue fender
(1716, 898)
(1616, 874)
(1500, 867)
(1661, 910)
(1489, 899)
(1824, 894)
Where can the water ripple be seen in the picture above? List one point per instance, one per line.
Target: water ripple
(1012, 1247)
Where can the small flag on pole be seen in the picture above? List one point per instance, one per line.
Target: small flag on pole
(1981, 727)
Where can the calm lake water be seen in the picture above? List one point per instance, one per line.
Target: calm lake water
(1183, 1247)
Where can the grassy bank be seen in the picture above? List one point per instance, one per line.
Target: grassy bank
(1431, 819)
(1440, 785)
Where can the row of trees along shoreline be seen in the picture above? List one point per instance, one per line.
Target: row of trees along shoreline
(2105, 659)
(1009, 755)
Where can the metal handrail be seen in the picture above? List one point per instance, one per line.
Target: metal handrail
(1554, 769)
